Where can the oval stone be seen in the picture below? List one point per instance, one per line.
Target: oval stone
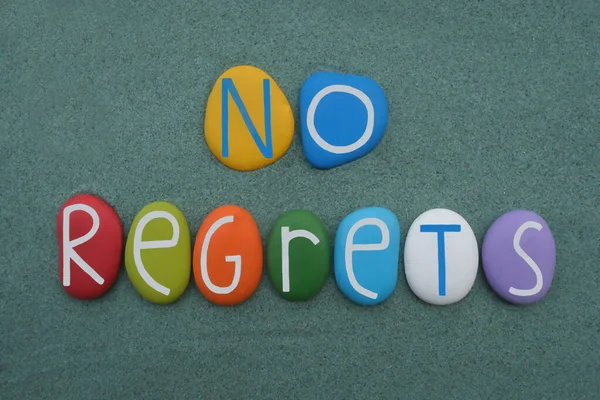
(367, 251)
(228, 256)
(158, 253)
(298, 255)
(90, 246)
(343, 117)
(519, 257)
(249, 122)
(441, 257)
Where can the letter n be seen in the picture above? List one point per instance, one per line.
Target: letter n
(228, 87)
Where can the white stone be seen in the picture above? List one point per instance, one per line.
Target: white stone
(460, 259)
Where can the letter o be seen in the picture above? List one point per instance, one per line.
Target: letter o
(312, 108)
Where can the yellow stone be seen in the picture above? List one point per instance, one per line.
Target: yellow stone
(254, 127)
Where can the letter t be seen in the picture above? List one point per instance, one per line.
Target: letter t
(440, 230)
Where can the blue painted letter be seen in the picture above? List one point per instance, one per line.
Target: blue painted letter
(440, 230)
(266, 148)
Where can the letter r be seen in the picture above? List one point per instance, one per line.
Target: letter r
(69, 245)
(286, 237)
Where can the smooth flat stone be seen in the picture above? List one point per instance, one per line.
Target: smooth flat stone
(343, 117)
(366, 255)
(158, 253)
(298, 255)
(519, 257)
(228, 256)
(441, 257)
(249, 123)
(90, 245)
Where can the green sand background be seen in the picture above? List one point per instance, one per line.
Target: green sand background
(493, 106)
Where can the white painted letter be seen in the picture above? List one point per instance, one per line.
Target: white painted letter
(68, 245)
(310, 119)
(236, 260)
(139, 245)
(351, 247)
(536, 269)
(286, 237)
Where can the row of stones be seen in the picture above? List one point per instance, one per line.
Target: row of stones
(441, 255)
(249, 123)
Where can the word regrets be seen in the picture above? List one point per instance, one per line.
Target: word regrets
(441, 254)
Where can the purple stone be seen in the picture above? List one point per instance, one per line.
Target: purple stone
(519, 257)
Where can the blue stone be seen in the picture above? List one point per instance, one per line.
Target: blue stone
(343, 117)
(366, 255)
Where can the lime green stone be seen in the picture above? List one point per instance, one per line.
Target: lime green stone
(158, 257)
(304, 237)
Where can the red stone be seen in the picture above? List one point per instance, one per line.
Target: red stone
(102, 251)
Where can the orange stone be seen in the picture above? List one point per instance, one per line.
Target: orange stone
(228, 256)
